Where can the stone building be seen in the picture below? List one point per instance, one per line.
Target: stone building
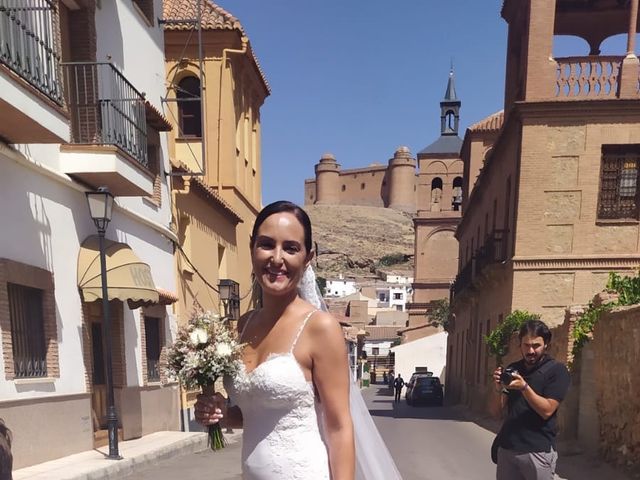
(551, 202)
(439, 200)
(391, 186)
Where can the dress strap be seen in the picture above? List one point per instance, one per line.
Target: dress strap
(304, 322)
(246, 324)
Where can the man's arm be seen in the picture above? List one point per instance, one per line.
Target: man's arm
(557, 388)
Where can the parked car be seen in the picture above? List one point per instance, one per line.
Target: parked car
(424, 389)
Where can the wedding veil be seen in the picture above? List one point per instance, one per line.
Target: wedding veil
(373, 460)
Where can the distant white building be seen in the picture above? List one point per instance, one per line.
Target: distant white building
(340, 287)
(397, 278)
(394, 297)
(430, 352)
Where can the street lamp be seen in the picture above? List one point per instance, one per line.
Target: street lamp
(100, 207)
(230, 298)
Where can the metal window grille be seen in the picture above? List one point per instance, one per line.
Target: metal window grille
(27, 331)
(189, 113)
(152, 335)
(28, 43)
(619, 182)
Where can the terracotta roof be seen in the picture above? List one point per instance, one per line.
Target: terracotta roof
(491, 123)
(208, 191)
(166, 297)
(376, 332)
(213, 17)
(155, 118)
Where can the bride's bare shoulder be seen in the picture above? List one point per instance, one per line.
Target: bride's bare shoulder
(325, 324)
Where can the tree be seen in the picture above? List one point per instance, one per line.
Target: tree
(439, 315)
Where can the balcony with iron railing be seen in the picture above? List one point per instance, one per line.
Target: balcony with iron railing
(31, 94)
(108, 118)
(28, 44)
(492, 252)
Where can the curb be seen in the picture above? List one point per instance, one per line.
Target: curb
(117, 469)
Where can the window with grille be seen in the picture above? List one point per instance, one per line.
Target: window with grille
(375, 351)
(27, 331)
(619, 182)
(152, 335)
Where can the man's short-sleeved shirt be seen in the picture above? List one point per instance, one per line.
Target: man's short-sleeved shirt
(524, 430)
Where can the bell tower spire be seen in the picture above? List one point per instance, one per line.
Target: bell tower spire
(450, 109)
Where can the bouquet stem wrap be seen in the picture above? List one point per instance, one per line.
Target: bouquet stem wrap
(215, 438)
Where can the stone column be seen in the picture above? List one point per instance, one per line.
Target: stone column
(629, 69)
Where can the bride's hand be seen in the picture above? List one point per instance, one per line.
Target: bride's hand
(210, 409)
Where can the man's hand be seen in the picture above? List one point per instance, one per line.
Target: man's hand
(518, 383)
(210, 409)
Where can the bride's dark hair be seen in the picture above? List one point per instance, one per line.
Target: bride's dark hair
(289, 207)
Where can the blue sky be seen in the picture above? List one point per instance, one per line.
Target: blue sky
(358, 78)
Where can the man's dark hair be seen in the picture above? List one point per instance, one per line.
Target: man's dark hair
(6, 459)
(535, 328)
(289, 207)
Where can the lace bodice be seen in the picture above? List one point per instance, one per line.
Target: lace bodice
(282, 437)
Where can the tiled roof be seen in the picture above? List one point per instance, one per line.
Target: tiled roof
(491, 123)
(207, 191)
(213, 17)
(381, 332)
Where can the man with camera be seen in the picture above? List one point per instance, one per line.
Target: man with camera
(533, 387)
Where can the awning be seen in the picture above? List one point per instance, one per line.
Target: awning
(128, 278)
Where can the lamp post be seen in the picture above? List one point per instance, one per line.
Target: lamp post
(101, 206)
(230, 298)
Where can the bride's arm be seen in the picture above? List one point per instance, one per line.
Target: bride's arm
(330, 376)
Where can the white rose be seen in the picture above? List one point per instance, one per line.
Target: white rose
(198, 336)
(223, 350)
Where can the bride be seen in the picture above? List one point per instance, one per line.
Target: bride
(292, 393)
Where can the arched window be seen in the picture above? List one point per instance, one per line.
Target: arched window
(189, 113)
(436, 190)
(457, 194)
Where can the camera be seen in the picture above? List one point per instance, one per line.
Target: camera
(506, 377)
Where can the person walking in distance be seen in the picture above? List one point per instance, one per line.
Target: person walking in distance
(398, 383)
(532, 388)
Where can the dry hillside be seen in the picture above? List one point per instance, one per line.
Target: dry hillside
(354, 240)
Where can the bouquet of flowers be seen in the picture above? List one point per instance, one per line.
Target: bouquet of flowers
(205, 350)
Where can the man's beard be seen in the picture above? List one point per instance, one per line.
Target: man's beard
(533, 359)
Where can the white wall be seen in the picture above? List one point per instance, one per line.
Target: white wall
(44, 222)
(340, 288)
(428, 352)
(383, 345)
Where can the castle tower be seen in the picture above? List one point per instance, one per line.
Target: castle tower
(402, 181)
(327, 181)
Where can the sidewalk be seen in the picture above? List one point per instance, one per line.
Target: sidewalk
(137, 454)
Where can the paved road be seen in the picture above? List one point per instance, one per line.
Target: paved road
(427, 443)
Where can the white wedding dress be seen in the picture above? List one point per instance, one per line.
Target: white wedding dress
(282, 437)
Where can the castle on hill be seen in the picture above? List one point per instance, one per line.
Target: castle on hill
(398, 184)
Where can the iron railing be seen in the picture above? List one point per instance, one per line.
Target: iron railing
(463, 279)
(105, 108)
(493, 251)
(28, 43)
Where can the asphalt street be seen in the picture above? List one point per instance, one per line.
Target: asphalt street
(427, 443)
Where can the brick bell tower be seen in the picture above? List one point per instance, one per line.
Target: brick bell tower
(439, 202)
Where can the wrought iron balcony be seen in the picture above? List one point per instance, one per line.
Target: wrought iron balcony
(493, 251)
(28, 43)
(463, 279)
(106, 109)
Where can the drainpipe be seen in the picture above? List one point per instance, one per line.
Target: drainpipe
(633, 21)
(225, 51)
